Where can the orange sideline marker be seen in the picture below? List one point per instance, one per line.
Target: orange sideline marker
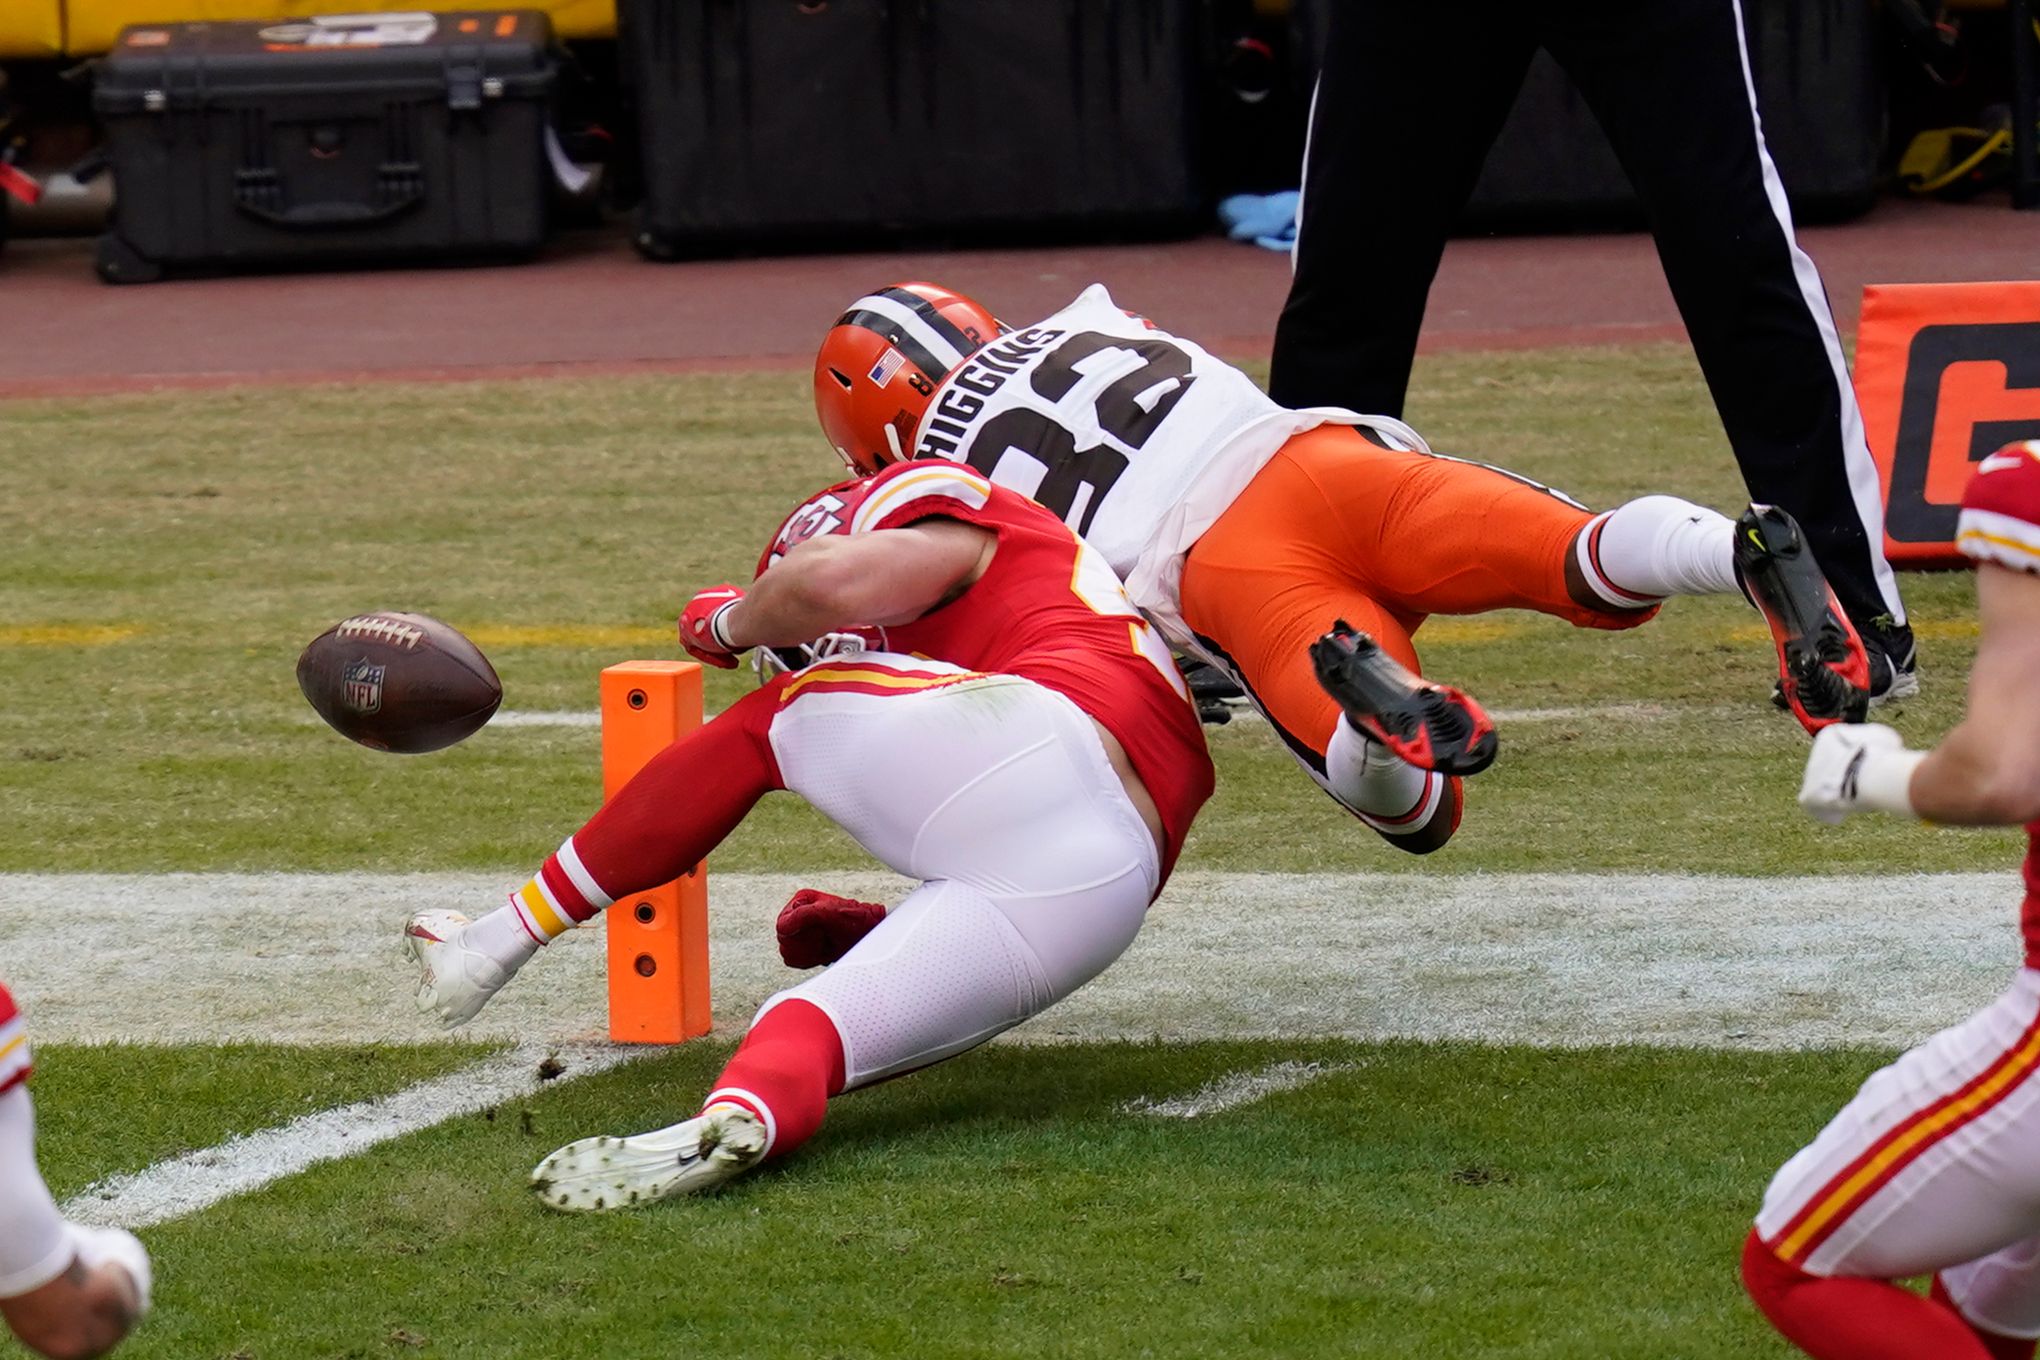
(1947, 374)
(658, 940)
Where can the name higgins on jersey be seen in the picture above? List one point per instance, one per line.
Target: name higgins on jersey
(965, 391)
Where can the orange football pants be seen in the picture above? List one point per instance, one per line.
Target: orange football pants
(1337, 527)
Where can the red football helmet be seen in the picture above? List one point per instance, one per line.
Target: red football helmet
(881, 362)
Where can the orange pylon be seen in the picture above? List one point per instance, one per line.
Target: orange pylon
(658, 940)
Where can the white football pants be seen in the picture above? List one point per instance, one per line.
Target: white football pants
(1935, 1165)
(1037, 868)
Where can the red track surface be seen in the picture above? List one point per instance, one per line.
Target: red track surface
(591, 305)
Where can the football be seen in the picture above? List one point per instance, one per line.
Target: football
(399, 682)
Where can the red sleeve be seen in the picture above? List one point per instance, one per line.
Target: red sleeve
(2000, 518)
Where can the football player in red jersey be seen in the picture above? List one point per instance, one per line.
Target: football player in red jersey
(1009, 731)
(1934, 1167)
(65, 1290)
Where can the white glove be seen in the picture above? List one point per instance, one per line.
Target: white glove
(1858, 767)
(97, 1246)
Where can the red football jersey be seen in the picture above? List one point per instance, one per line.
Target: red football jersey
(14, 1059)
(2000, 523)
(1047, 609)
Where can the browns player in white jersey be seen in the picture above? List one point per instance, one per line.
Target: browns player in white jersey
(1934, 1167)
(65, 1290)
(1022, 745)
(1300, 551)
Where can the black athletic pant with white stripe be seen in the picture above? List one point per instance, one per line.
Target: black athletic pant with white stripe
(1411, 97)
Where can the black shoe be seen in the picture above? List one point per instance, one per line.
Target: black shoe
(1214, 692)
(1894, 661)
(1432, 726)
(1823, 670)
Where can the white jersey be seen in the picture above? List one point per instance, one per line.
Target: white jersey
(1137, 438)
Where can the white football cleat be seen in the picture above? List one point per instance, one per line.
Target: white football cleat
(458, 981)
(599, 1174)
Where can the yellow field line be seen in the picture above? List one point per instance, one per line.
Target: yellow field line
(1929, 630)
(66, 634)
(573, 635)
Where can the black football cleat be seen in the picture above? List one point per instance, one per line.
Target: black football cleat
(1432, 726)
(1823, 671)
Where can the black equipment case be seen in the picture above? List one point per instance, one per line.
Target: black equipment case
(835, 122)
(353, 138)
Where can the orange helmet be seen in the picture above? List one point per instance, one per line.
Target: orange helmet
(881, 362)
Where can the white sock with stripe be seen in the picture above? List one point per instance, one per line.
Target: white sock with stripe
(1375, 782)
(503, 936)
(560, 896)
(1654, 546)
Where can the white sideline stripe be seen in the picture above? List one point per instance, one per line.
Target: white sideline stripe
(1551, 959)
(512, 717)
(197, 1180)
(1234, 1090)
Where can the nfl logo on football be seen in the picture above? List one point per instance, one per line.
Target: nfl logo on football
(361, 686)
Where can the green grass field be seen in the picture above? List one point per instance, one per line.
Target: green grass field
(1426, 1200)
(164, 557)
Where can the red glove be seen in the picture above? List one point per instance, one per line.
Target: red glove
(701, 626)
(817, 927)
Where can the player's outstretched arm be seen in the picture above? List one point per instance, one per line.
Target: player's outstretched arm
(835, 582)
(1986, 771)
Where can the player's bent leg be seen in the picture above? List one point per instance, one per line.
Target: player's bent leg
(1040, 871)
(948, 969)
(1849, 1318)
(1935, 1163)
(1256, 604)
(951, 967)
(1431, 534)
